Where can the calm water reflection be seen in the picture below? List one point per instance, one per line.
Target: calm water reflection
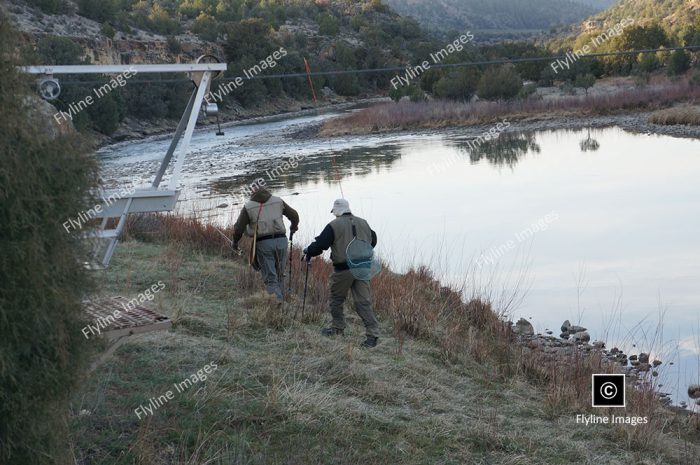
(620, 247)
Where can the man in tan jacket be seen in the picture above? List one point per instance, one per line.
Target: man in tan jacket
(261, 218)
(336, 236)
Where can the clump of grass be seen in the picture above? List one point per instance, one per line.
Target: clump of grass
(175, 229)
(681, 114)
(266, 311)
(443, 113)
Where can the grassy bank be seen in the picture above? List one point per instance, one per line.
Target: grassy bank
(447, 384)
(681, 114)
(442, 113)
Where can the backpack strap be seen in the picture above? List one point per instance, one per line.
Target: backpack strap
(354, 229)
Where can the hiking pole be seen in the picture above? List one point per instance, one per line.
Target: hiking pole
(291, 248)
(306, 286)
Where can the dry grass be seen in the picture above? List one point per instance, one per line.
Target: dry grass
(417, 309)
(681, 114)
(442, 113)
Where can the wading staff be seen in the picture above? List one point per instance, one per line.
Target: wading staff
(291, 248)
(306, 286)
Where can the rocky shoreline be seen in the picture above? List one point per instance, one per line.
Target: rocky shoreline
(575, 341)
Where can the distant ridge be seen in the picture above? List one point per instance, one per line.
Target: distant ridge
(672, 14)
(493, 15)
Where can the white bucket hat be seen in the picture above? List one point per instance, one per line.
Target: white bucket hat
(341, 207)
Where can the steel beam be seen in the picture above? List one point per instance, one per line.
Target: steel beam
(113, 69)
(185, 145)
(176, 138)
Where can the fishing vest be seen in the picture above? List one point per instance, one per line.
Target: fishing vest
(342, 232)
(268, 217)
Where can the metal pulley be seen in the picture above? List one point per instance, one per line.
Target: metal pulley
(49, 88)
(211, 109)
(196, 76)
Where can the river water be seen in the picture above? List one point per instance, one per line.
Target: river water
(600, 227)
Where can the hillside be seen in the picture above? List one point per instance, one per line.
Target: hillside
(601, 4)
(281, 393)
(675, 15)
(331, 35)
(506, 16)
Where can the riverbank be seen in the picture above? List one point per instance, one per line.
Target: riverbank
(629, 109)
(635, 122)
(134, 129)
(448, 383)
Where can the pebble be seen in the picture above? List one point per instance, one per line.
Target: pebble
(694, 391)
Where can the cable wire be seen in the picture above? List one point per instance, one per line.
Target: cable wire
(404, 68)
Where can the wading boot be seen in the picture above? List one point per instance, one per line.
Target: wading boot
(370, 342)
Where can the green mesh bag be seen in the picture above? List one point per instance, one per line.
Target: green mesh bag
(360, 258)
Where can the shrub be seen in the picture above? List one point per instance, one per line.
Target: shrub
(415, 93)
(50, 6)
(584, 81)
(105, 115)
(54, 50)
(499, 83)
(647, 62)
(99, 10)
(456, 85)
(206, 27)
(108, 30)
(396, 93)
(345, 84)
(42, 282)
(695, 79)
(642, 79)
(174, 45)
(328, 25)
(678, 63)
(527, 90)
(249, 37)
(160, 21)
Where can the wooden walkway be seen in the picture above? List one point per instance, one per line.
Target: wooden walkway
(118, 318)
